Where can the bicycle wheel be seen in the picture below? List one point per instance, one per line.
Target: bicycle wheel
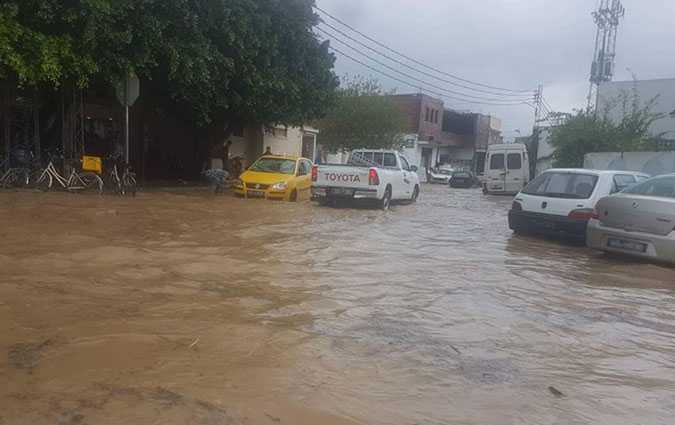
(8, 179)
(44, 182)
(129, 184)
(112, 183)
(91, 181)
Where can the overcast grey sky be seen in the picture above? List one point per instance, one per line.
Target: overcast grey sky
(513, 43)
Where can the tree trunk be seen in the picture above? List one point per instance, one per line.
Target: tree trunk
(5, 108)
(36, 128)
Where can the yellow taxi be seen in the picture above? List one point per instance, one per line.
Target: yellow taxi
(276, 177)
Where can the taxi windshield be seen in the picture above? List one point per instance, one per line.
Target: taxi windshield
(274, 165)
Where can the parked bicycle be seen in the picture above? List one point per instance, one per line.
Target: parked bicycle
(125, 183)
(16, 177)
(22, 163)
(119, 177)
(50, 178)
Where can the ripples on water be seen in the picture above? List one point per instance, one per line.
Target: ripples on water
(431, 313)
(441, 315)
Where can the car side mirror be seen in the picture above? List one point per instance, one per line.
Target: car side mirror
(413, 168)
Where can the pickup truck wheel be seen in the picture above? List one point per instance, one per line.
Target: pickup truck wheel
(415, 195)
(386, 200)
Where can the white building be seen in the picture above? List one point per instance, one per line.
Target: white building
(250, 143)
(662, 90)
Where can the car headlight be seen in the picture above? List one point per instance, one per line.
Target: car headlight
(238, 184)
(280, 186)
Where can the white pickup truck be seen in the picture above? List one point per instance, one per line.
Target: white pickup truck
(378, 176)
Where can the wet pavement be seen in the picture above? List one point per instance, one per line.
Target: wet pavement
(181, 308)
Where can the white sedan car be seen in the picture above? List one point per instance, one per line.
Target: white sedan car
(561, 201)
(440, 175)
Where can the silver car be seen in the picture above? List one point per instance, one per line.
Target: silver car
(639, 221)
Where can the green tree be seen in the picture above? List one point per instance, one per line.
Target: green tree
(363, 117)
(217, 61)
(623, 126)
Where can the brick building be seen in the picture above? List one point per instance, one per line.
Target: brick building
(425, 137)
(437, 136)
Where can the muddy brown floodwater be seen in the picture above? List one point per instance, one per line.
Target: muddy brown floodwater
(180, 308)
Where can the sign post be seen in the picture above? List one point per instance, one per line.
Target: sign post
(128, 91)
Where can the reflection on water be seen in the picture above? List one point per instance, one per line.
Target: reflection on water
(189, 309)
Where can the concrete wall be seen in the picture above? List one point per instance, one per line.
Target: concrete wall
(647, 90)
(289, 144)
(652, 163)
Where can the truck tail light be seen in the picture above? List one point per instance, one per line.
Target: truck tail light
(315, 172)
(595, 215)
(583, 214)
(373, 178)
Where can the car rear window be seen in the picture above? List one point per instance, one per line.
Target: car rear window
(497, 161)
(563, 185)
(660, 187)
(389, 160)
(514, 161)
(380, 159)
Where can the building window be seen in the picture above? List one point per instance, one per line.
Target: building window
(436, 116)
(426, 115)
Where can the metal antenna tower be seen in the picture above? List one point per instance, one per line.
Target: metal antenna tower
(607, 19)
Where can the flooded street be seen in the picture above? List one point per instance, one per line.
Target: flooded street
(180, 308)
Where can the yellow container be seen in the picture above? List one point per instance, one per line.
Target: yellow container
(91, 163)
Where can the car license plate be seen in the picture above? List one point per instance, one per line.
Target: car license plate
(255, 194)
(627, 245)
(339, 191)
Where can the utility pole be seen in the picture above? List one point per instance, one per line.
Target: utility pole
(607, 19)
(534, 145)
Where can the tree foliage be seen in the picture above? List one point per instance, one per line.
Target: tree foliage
(623, 126)
(251, 61)
(363, 117)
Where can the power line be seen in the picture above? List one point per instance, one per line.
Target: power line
(412, 77)
(355, 40)
(412, 59)
(407, 83)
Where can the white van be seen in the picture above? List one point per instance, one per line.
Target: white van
(507, 169)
